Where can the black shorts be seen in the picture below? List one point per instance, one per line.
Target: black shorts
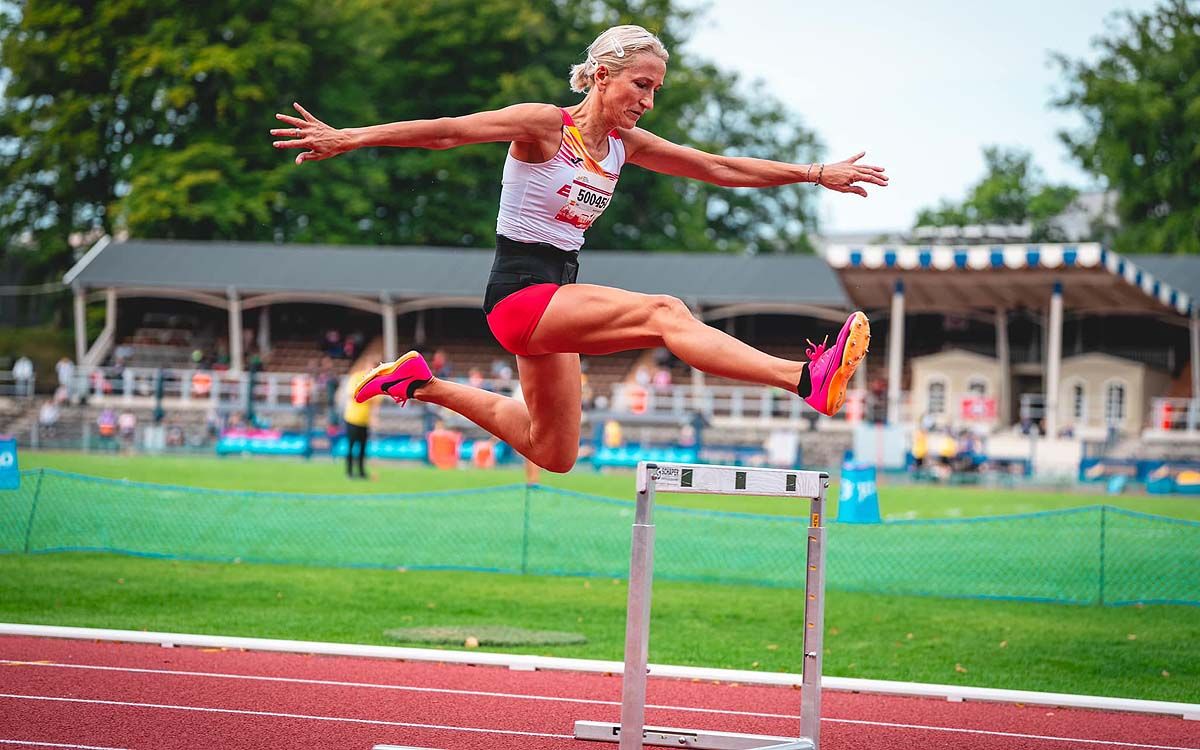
(522, 264)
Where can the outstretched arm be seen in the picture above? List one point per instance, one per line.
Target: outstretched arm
(660, 155)
(519, 122)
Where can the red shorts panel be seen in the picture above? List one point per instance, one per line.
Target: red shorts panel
(515, 317)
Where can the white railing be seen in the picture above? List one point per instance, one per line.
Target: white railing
(746, 404)
(214, 388)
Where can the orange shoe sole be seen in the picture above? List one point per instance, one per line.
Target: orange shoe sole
(857, 344)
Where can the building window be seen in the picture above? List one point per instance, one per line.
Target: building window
(977, 387)
(937, 397)
(1078, 402)
(1114, 403)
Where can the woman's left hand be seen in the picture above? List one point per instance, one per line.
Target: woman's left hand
(842, 175)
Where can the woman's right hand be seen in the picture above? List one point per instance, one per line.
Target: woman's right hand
(321, 140)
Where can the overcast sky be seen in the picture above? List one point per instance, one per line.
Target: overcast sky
(920, 85)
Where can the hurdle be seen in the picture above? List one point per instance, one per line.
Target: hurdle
(632, 733)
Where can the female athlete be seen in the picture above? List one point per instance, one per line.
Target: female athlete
(562, 168)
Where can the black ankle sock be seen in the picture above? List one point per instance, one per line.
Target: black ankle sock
(804, 387)
(413, 386)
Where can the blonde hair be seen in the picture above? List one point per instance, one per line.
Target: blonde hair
(614, 49)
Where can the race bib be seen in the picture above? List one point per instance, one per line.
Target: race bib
(587, 197)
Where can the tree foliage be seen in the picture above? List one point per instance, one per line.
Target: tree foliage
(1140, 99)
(119, 114)
(1012, 191)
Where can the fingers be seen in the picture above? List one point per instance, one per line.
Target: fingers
(297, 143)
(304, 112)
(291, 120)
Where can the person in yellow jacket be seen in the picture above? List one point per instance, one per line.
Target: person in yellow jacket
(358, 418)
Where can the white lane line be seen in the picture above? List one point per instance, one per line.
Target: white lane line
(404, 688)
(884, 724)
(31, 743)
(1048, 738)
(281, 715)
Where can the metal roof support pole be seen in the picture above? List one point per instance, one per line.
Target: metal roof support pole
(264, 330)
(80, 323)
(1053, 359)
(1195, 326)
(390, 342)
(1004, 389)
(895, 353)
(235, 330)
(698, 375)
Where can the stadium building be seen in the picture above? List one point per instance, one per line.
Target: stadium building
(1088, 349)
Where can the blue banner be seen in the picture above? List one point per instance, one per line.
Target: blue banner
(10, 478)
(858, 500)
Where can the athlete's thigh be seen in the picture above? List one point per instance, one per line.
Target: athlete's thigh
(551, 386)
(592, 319)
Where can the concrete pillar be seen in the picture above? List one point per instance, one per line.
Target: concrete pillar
(1053, 359)
(80, 324)
(264, 329)
(235, 330)
(1004, 388)
(1195, 326)
(895, 353)
(390, 342)
(110, 311)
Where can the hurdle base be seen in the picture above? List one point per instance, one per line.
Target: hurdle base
(597, 731)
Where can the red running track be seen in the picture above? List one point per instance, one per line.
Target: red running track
(87, 694)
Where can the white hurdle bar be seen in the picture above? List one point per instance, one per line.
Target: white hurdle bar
(632, 733)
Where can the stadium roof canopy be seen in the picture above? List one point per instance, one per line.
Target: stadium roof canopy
(362, 277)
(959, 279)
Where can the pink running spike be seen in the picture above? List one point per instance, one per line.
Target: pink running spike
(830, 370)
(399, 379)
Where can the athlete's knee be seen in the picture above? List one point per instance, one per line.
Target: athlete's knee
(669, 313)
(559, 462)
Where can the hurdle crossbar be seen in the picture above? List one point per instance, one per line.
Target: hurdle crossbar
(632, 733)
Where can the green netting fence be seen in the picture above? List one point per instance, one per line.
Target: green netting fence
(1082, 556)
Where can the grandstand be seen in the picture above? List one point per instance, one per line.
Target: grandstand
(1005, 332)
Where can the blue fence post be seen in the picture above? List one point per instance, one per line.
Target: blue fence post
(1103, 518)
(525, 534)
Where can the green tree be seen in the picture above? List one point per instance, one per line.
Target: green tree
(120, 115)
(1141, 105)
(1012, 191)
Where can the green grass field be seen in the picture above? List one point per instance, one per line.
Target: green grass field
(1142, 652)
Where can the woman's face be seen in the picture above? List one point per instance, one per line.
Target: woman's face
(629, 93)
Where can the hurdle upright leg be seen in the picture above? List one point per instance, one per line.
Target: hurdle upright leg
(637, 622)
(631, 732)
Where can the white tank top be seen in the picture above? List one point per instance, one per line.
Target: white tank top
(557, 200)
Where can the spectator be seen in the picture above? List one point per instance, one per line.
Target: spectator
(65, 370)
(122, 354)
(440, 364)
(48, 414)
(358, 420)
(642, 376)
(920, 447)
(127, 426)
(333, 344)
(106, 423)
(22, 372)
(475, 378)
(662, 379)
